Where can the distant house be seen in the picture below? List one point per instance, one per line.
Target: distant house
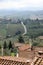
(18, 44)
(40, 37)
(39, 51)
(25, 47)
(25, 51)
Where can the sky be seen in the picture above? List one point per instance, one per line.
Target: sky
(21, 4)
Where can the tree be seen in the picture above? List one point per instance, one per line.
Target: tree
(0, 47)
(10, 45)
(5, 45)
(35, 44)
(18, 32)
(20, 39)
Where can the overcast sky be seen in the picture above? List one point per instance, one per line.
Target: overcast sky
(21, 4)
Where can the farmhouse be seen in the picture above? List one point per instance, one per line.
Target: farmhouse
(25, 51)
(38, 51)
(18, 44)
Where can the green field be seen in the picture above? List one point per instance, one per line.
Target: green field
(34, 29)
(9, 29)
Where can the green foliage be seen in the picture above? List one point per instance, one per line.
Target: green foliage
(35, 44)
(14, 29)
(0, 47)
(34, 29)
(20, 39)
(5, 45)
(10, 45)
(12, 54)
(13, 51)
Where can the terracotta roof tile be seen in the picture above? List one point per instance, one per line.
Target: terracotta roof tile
(19, 59)
(24, 47)
(18, 44)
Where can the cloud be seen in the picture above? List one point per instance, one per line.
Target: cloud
(21, 4)
(2, 0)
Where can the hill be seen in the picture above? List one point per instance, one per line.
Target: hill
(20, 14)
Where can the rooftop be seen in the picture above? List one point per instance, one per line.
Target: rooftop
(19, 59)
(40, 37)
(18, 44)
(24, 47)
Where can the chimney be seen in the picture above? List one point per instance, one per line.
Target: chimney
(17, 55)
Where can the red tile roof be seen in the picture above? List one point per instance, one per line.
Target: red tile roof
(19, 59)
(18, 44)
(24, 47)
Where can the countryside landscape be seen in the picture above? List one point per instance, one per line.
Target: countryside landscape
(21, 32)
